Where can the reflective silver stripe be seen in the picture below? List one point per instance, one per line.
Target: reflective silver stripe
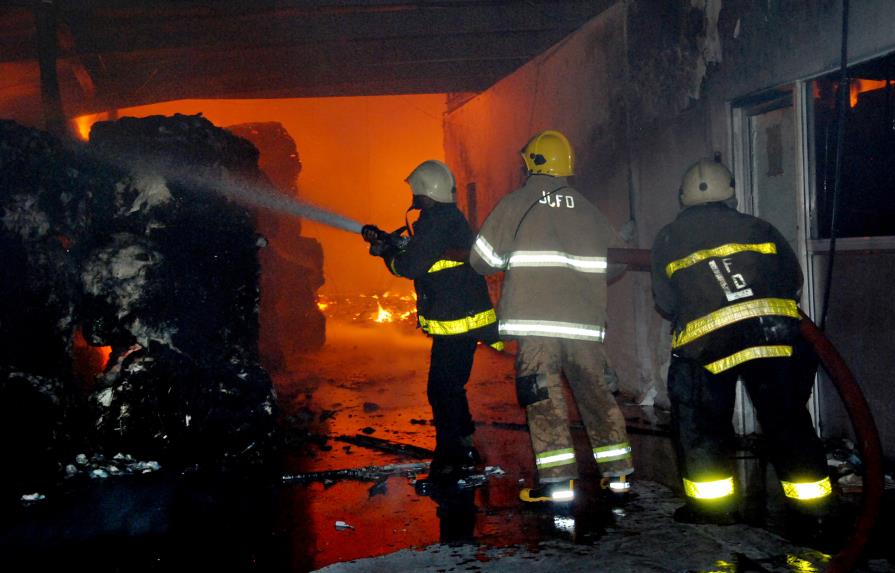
(612, 453)
(555, 459)
(488, 254)
(556, 329)
(557, 259)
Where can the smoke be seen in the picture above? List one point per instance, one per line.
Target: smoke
(265, 196)
(220, 180)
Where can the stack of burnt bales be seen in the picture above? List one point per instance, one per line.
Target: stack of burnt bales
(44, 192)
(291, 265)
(171, 283)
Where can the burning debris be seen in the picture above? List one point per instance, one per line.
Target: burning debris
(163, 272)
(367, 310)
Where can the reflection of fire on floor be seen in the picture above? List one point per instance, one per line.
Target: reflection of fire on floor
(370, 382)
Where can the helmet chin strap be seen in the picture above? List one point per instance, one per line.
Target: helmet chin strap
(406, 218)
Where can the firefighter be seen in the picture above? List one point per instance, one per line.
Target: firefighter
(453, 308)
(729, 284)
(550, 242)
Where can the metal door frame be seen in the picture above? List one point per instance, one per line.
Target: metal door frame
(793, 95)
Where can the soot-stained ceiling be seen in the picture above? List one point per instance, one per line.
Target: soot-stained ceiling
(114, 54)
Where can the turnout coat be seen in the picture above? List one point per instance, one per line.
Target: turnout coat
(551, 242)
(451, 298)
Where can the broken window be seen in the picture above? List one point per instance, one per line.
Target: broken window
(867, 192)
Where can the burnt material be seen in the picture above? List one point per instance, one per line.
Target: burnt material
(172, 286)
(107, 239)
(43, 190)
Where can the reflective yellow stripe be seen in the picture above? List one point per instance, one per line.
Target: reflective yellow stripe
(803, 491)
(612, 453)
(499, 345)
(798, 565)
(708, 489)
(735, 313)
(443, 264)
(777, 351)
(722, 251)
(459, 326)
(555, 458)
(391, 267)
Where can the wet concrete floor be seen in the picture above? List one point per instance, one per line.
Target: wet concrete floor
(368, 383)
(370, 380)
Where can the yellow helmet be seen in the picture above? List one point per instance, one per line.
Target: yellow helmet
(549, 153)
(706, 181)
(433, 179)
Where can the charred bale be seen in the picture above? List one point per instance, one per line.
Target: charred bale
(44, 190)
(160, 404)
(171, 283)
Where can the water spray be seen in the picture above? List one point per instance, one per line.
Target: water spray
(265, 196)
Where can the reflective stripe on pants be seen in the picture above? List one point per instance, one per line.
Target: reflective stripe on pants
(583, 364)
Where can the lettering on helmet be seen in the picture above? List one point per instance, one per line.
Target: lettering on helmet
(557, 200)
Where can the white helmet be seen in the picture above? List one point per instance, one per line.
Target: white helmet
(433, 179)
(706, 181)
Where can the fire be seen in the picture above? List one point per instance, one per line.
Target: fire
(105, 352)
(83, 123)
(859, 86)
(322, 305)
(382, 315)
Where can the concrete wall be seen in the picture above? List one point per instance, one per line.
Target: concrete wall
(642, 91)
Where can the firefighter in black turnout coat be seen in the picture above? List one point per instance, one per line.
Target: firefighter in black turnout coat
(729, 283)
(453, 308)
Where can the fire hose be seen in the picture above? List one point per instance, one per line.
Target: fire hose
(866, 434)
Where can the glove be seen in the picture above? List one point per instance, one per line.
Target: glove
(376, 248)
(370, 233)
(383, 249)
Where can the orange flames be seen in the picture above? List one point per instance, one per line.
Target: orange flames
(382, 315)
(83, 123)
(859, 86)
(88, 361)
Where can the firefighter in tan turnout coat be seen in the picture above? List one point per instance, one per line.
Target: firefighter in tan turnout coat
(551, 243)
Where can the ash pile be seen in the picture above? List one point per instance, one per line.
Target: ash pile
(105, 240)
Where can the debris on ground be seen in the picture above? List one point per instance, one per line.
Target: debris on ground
(342, 526)
(366, 473)
(384, 445)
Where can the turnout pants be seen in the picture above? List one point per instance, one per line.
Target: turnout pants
(450, 364)
(702, 406)
(583, 364)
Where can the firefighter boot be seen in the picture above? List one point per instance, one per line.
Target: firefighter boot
(705, 514)
(820, 525)
(617, 489)
(559, 493)
(453, 462)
